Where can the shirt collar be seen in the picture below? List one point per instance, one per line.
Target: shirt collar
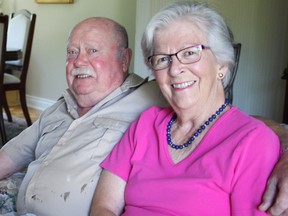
(132, 82)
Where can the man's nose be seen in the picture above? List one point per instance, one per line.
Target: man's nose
(81, 60)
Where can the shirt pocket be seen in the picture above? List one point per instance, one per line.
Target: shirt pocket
(113, 130)
(49, 136)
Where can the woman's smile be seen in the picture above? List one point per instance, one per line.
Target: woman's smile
(183, 85)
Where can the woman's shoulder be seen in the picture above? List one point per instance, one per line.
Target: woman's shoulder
(155, 111)
(246, 129)
(155, 115)
(242, 118)
(246, 124)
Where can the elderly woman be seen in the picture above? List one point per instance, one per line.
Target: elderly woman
(201, 155)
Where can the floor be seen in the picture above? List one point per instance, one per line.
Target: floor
(17, 112)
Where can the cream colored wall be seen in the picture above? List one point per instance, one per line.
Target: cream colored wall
(46, 77)
(261, 26)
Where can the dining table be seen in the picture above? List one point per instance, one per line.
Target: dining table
(13, 54)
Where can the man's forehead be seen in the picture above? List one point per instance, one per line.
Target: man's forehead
(102, 25)
(90, 31)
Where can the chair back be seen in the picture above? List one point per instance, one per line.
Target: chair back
(20, 34)
(3, 41)
(229, 87)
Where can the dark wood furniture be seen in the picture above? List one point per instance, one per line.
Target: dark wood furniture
(12, 82)
(285, 113)
(3, 41)
(13, 54)
(229, 87)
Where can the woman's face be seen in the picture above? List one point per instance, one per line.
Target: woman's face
(187, 85)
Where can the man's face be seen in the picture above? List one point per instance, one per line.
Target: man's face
(94, 65)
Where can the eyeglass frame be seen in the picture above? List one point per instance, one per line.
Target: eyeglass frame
(199, 46)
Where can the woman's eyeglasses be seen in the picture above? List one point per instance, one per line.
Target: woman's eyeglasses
(185, 56)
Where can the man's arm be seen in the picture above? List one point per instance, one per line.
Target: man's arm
(7, 166)
(275, 198)
(277, 128)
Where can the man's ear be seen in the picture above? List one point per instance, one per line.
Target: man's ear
(126, 59)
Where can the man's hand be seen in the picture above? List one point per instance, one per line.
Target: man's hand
(275, 198)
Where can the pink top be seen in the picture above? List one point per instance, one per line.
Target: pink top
(225, 175)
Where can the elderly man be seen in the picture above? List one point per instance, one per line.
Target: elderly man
(63, 149)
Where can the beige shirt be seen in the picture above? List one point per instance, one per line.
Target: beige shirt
(64, 151)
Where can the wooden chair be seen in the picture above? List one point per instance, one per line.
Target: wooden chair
(3, 41)
(229, 87)
(20, 36)
(285, 113)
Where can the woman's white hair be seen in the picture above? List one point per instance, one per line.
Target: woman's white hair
(209, 21)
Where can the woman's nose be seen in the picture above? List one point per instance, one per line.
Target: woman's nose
(176, 66)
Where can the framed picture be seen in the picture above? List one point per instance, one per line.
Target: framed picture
(54, 1)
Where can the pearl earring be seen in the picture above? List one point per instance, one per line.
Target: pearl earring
(220, 75)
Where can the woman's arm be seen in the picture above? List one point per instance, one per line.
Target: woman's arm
(109, 195)
(256, 154)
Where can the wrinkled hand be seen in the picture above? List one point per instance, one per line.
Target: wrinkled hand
(275, 198)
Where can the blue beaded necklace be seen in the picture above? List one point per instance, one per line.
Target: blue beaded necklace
(196, 134)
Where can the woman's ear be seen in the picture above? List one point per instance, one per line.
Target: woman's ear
(222, 70)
